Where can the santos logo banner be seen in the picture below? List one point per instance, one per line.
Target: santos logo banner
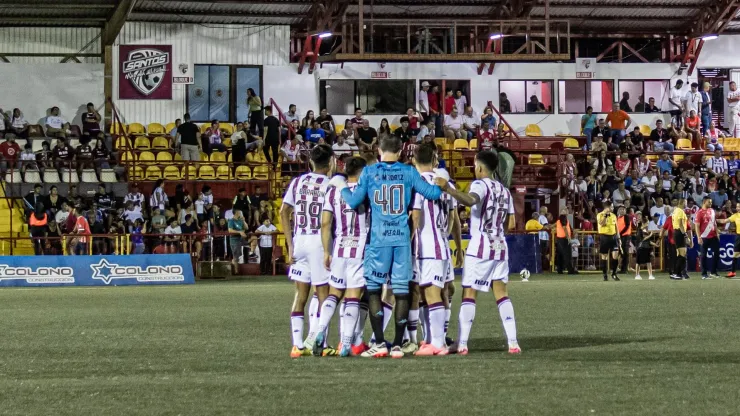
(145, 72)
(96, 270)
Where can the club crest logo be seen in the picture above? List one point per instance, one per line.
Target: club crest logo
(586, 63)
(183, 68)
(146, 68)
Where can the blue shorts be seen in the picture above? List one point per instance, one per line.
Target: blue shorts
(380, 262)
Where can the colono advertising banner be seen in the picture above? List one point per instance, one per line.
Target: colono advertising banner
(144, 269)
(145, 72)
(726, 253)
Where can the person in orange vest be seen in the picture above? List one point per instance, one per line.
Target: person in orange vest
(37, 223)
(563, 235)
(624, 228)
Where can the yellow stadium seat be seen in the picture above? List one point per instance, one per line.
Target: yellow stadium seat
(122, 142)
(228, 159)
(142, 143)
(128, 156)
(338, 128)
(136, 129)
(251, 157)
(645, 130)
(653, 158)
(178, 156)
(118, 128)
(153, 173)
(536, 159)
(164, 156)
(463, 172)
(168, 128)
(684, 144)
(243, 173)
(146, 157)
(172, 173)
(440, 142)
(227, 142)
(136, 173)
(261, 172)
(155, 129)
(189, 172)
(204, 157)
(571, 143)
(227, 128)
(473, 145)
(218, 157)
(460, 144)
(206, 172)
(533, 130)
(223, 172)
(160, 143)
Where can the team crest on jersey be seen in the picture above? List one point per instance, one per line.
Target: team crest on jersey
(145, 69)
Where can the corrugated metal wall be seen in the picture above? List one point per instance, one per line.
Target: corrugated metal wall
(49, 40)
(217, 44)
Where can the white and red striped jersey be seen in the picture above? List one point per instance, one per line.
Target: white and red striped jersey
(488, 220)
(306, 194)
(350, 225)
(431, 240)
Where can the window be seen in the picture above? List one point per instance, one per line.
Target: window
(525, 96)
(635, 94)
(575, 96)
(373, 96)
(219, 92)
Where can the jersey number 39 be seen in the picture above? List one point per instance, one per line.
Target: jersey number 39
(390, 198)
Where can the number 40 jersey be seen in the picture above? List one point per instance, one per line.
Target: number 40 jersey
(388, 186)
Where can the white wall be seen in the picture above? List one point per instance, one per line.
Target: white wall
(723, 52)
(48, 40)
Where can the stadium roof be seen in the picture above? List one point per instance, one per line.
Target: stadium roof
(603, 18)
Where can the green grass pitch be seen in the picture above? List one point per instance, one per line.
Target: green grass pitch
(590, 347)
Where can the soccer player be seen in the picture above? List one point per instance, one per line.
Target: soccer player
(487, 257)
(344, 263)
(608, 240)
(735, 219)
(302, 204)
(388, 186)
(706, 233)
(681, 234)
(456, 232)
(432, 225)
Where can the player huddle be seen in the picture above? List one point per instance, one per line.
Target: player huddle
(386, 227)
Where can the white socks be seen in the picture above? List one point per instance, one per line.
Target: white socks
(349, 320)
(437, 324)
(313, 314)
(467, 316)
(327, 312)
(424, 319)
(413, 322)
(506, 310)
(296, 327)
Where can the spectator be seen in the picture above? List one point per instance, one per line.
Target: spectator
(172, 235)
(187, 136)
(314, 134)
(63, 154)
(692, 127)
(685, 165)
(307, 122)
(640, 106)
(136, 197)
(18, 124)
(159, 198)
(454, 126)
(623, 165)
(680, 192)
(38, 224)
(238, 236)
(188, 229)
(649, 181)
(603, 130)
(45, 156)
(706, 108)
(91, 121)
(137, 237)
(449, 102)
(271, 137)
(660, 138)
(255, 112)
(384, 130)
(27, 159)
(651, 107)
(636, 138)
(425, 130)
(265, 232)
(368, 137)
(666, 185)
(84, 155)
(733, 101)
(487, 116)
(692, 100)
(598, 145)
(100, 154)
(533, 106)
(544, 234)
(666, 164)
(486, 139)
(187, 209)
(624, 104)
(618, 121)
(712, 136)
(676, 104)
(423, 101)
(341, 147)
(717, 165)
(414, 121)
(56, 125)
(131, 213)
(33, 199)
(159, 221)
(215, 138)
(504, 104)
(9, 152)
(291, 114)
(326, 121)
(173, 132)
(97, 228)
(588, 123)
(471, 122)
(404, 132)
(357, 121)
(461, 102)
(434, 101)
(533, 225)
(719, 197)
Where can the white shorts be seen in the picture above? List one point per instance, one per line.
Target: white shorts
(309, 261)
(479, 274)
(450, 267)
(433, 272)
(414, 270)
(346, 273)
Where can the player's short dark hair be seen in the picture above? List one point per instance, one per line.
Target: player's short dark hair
(424, 154)
(705, 198)
(391, 144)
(321, 156)
(489, 159)
(354, 165)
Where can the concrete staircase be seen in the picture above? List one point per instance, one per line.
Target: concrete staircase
(10, 208)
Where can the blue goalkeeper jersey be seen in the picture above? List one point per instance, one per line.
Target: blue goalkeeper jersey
(388, 186)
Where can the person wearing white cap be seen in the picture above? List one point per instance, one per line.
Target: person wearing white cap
(423, 106)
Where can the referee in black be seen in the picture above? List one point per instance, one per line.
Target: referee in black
(609, 242)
